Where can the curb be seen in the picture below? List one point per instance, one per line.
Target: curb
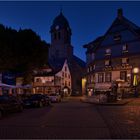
(106, 104)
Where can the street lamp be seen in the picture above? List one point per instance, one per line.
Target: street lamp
(135, 81)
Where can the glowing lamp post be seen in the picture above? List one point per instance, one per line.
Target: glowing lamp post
(135, 81)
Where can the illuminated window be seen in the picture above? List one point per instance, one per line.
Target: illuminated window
(108, 51)
(93, 67)
(100, 77)
(125, 47)
(92, 78)
(125, 60)
(107, 62)
(117, 37)
(90, 68)
(87, 69)
(123, 75)
(108, 76)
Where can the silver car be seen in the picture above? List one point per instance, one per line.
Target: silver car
(55, 97)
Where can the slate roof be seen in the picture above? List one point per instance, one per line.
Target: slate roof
(57, 64)
(94, 44)
(118, 21)
(123, 21)
(45, 74)
(79, 61)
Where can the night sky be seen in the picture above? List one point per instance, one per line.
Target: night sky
(88, 20)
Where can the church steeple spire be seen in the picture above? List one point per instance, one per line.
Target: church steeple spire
(61, 10)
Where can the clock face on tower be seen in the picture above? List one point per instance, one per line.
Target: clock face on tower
(57, 27)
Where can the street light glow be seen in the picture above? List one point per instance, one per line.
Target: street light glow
(136, 70)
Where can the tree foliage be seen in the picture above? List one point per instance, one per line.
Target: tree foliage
(22, 50)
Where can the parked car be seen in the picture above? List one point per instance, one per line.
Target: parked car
(55, 97)
(35, 100)
(10, 104)
(48, 99)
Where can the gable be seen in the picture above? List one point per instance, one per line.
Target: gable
(65, 65)
(126, 35)
(123, 28)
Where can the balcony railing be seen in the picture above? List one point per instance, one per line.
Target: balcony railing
(46, 84)
(43, 84)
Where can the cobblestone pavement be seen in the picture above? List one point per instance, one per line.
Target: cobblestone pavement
(69, 120)
(122, 121)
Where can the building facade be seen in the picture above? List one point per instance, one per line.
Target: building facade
(113, 56)
(61, 48)
(47, 80)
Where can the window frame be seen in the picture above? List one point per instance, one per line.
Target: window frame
(117, 37)
(127, 60)
(108, 77)
(108, 53)
(100, 79)
(123, 77)
(126, 48)
(109, 62)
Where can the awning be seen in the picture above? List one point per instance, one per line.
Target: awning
(24, 86)
(6, 85)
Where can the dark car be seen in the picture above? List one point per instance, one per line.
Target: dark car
(10, 104)
(48, 99)
(35, 100)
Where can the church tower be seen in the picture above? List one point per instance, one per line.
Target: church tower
(61, 49)
(60, 38)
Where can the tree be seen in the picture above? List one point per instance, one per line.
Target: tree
(21, 51)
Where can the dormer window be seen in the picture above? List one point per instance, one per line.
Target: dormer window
(125, 48)
(108, 51)
(125, 60)
(117, 37)
(107, 62)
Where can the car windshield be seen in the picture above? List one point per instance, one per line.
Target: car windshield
(53, 94)
(3, 98)
(36, 96)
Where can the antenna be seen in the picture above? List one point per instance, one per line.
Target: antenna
(61, 9)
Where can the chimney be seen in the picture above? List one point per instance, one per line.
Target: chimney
(120, 13)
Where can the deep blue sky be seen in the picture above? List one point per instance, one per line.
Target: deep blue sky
(88, 20)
